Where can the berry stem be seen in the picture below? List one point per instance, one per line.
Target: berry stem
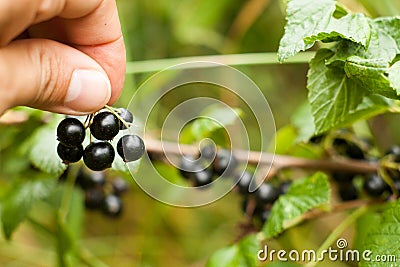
(278, 161)
(113, 111)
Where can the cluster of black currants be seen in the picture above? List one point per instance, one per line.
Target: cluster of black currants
(100, 193)
(210, 163)
(352, 186)
(104, 126)
(262, 199)
(223, 163)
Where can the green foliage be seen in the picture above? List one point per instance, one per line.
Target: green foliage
(242, 254)
(214, 118)
(382, 238)
(41, 148)
(18, 201)
(358, 65)
(303, 195)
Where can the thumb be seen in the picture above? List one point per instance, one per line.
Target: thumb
(48, 75)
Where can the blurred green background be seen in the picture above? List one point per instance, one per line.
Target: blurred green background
(150, 233)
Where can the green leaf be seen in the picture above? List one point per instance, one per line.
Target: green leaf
(391, 26)
(383, 237)
(381, 46)
(303, 195)
(352, 27)
(332, 94)
(214, 118)
(304, 18)
(371, 106)
(370, 74)
(303, 121)
(394, 76)
(243, 254)
(17, 202)
(42, 148)
(282, 264)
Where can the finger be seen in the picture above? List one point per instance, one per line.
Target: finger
(98, 34)
(18, 15)
(54, 77)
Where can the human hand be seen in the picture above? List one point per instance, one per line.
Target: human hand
(69, 59)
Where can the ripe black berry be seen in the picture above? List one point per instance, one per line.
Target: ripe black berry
(245, 180)
(130, 147)
(105, 126)
(120, 186)
(99, 156)
(87, 178)
(263, 215)
(347, 191)
(188, 166)
(267, 194)
(69, 154)
(284, 187)
(208, 152)
(225, 162)
(70, 132)
(342, 177)
(94, 198)
(127, 116)
(348, 148)
(203, 177)
(112, 206)
(375, 186)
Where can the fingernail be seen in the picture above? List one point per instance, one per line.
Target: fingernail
(88, 91)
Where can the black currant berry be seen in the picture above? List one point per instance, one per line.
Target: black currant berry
(130, 147)
(119, 185)
(347, 191)
(98, 156)
(94, 198)
(395, 151)
(284, 187)
(87, 178)
(263, 215)
(127, 116)
(69, 154)
(112, 206)
(188, 166)
(245, 180)
(70, 132)
(348, 148)
(208, 152)
(203, 177)
(375, 186)
(342, 177)
(225, 162)
(317, 139)
(267, 194)
(105, 126)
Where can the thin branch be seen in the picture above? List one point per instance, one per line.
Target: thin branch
(278, 161)
(155, 65)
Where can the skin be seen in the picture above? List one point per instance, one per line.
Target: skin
(42, 42)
